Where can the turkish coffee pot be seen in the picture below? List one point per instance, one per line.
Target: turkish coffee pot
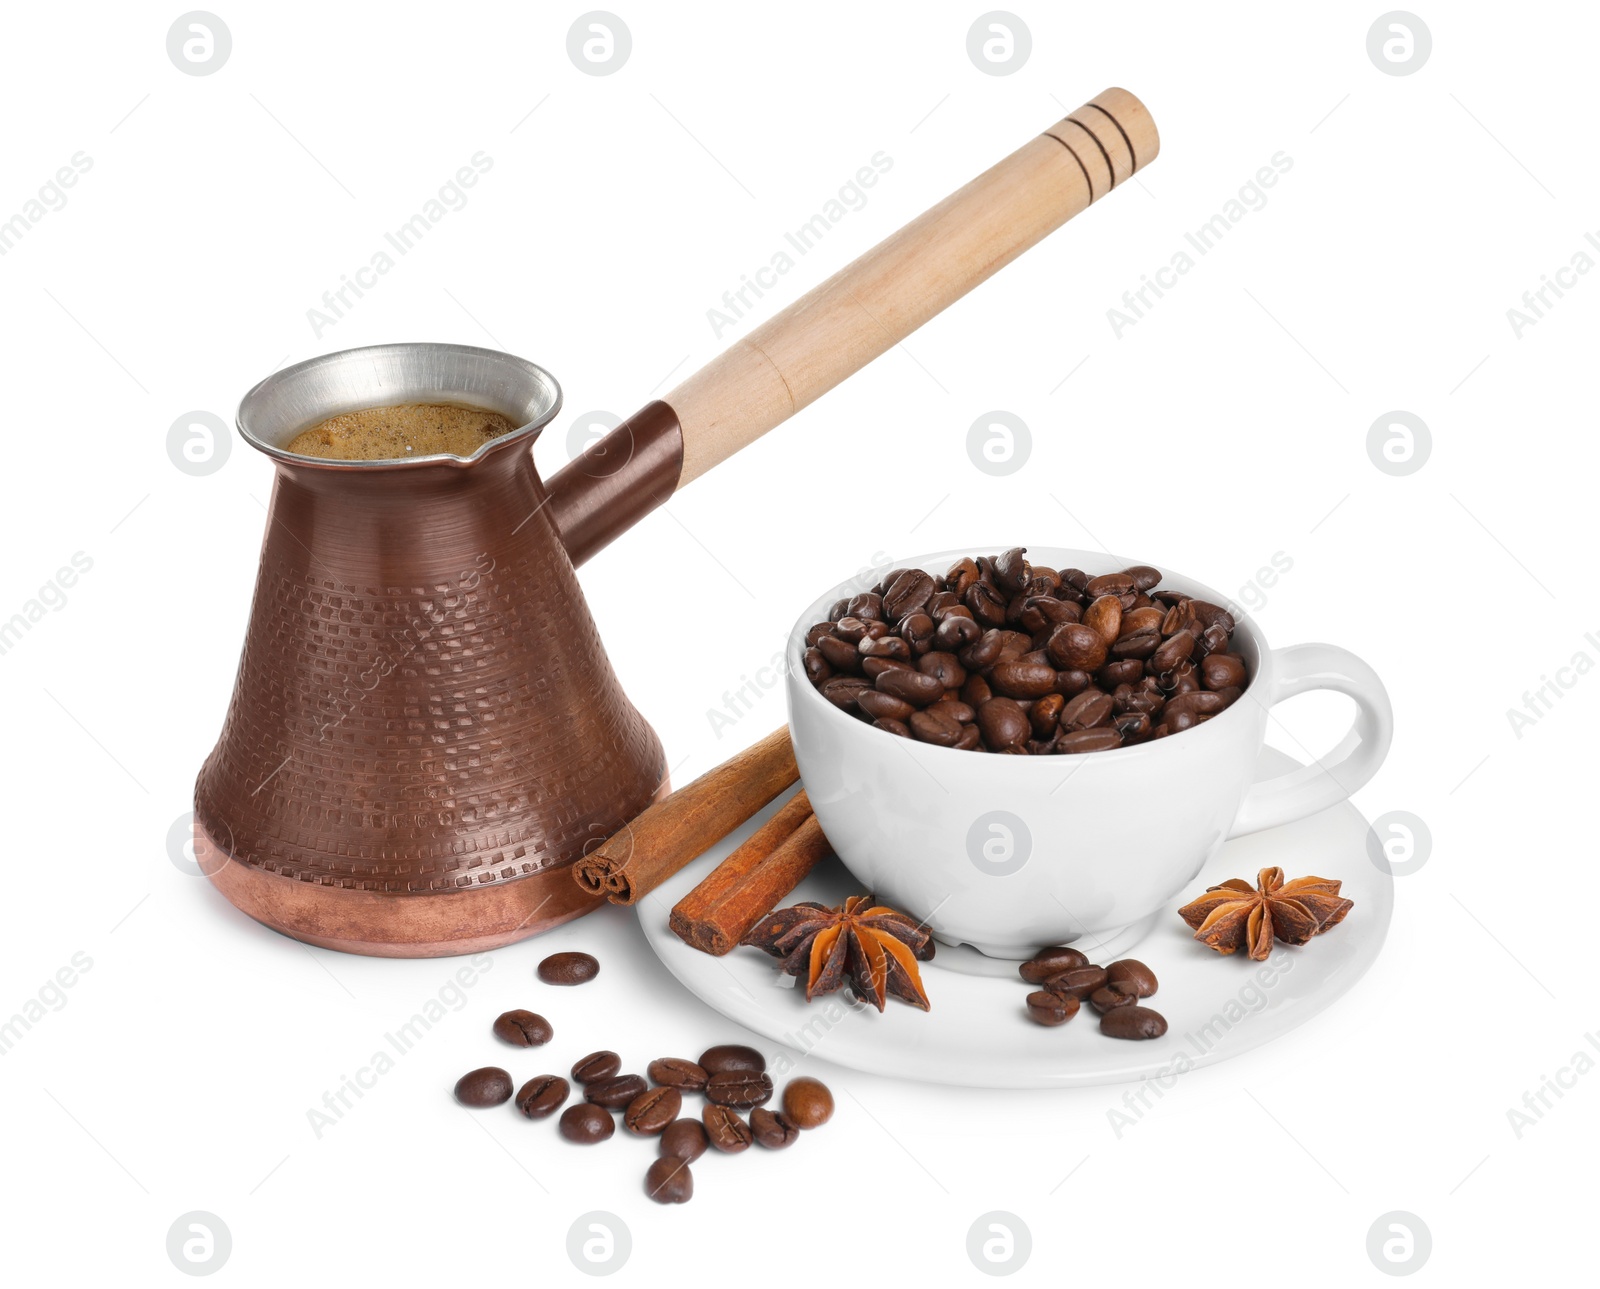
(425, 731)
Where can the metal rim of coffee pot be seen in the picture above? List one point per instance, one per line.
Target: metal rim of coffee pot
(298, 397)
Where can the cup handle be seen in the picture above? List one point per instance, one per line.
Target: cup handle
(1331, 778)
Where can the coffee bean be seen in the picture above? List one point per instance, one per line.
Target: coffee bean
(909, 593)
(910, 686)
(683, 1139)
(888, 647)
(807, 1103)
(1054, 961)
(1045, 714)
(817, 667)
(772, 1130)
(1222, 671)
(1109, 584)
(840, 655)
(739, 1088)
(522, 1028)
(1174, 649)
(956, 633)
(669, 1181)
(898, 728)
(1077, 983)
(963, 573)
(1003, 723)
(1016, 678)
(1011, 569)
(726, 1057)
(867, 605)
(569, 969)
(1105, 616)
(1048, 1008)
(725, 1130)
(883, 707)
(650, 1112)
(1149, 618)
(615, 1092)
(1076, 645)
(1131, 976)
(841, 691)
(585, 1124)
(944, 667)
(674, 1072)
(596, 1066)
(1133, 1022)
(1089, 710)
(486, 1087)
(916, 629)
(1103, 1000)
(1097, 740)
(1144, 577)
(1139, 644)
(542, 1096)
(934, 726)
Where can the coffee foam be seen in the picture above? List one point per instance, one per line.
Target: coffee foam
(408, 430)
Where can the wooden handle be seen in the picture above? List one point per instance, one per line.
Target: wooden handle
(881, 298)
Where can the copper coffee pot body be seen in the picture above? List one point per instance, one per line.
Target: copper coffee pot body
(425, 731)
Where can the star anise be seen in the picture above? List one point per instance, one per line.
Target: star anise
(1236, 913)
(873, 948)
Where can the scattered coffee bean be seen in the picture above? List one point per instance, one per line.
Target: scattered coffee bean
(541, 1097)
(725, 1130)
(1051, 962)
(522, 1028)
(669, 1181)
(1037, 657)
(1132, 977)
(1103, 1000)
(726, 1057)
(807, 1103)
(596, 1066)
(1052, 1009)
(650, 1112)
(569, 969)
(673, 1072)
(1133, 1022)
(739, 1088)
(615, 1092)
(486, 1087)
(773, 1131)
(586, 1124)
(1078, 983)
(684, 1139)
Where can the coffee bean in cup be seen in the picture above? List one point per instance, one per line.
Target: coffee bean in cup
(999, 656)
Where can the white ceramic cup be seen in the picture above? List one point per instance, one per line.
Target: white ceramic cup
(1011, 853)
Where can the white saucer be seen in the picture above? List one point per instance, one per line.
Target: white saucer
(978, 1033)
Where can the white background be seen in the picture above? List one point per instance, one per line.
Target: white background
(1228, 425)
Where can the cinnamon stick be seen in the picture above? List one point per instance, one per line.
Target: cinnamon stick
(670, 833)
(714, 920)
(726, 876)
